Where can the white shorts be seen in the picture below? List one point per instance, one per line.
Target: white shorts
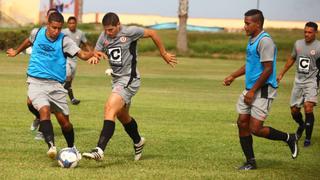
(304, 93)
(121, 87)
(261, 104)
(43, 92)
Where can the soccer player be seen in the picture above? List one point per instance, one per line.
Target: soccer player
(118, 43)
(260, 81)
(79, 38)
(35, 123)
(45, 75)
(305, 54)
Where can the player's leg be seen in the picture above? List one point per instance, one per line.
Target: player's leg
(246, 142)
(131, 127)
(308, 108)
(35, 123)
(297, 116)
(71, 72)
(113, 105)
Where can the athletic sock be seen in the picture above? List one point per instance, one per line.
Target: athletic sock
(106, 134)
(298, 118)
(132, 130)
(277, 135)
(246, 145)
(33, 111)
(47, 129)
(309, 125)
(69, 136)
(68, 87)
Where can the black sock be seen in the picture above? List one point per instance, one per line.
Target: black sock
(68, 87)
(132, 130)
(47, 129)
(298, 118)
(246, 145)
(309, 125)
(277, 135)
(69, 136)
(106, 134)
(33, 111)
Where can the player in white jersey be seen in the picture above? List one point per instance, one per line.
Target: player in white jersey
(80, 39)
(118, 44)
(306, 55)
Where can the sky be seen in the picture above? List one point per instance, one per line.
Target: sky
(292, 10)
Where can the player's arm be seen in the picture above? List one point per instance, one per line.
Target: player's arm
(287, 66)
(229, 79)
(24, 45)
(168, 57)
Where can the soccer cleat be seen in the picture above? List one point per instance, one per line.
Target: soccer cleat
(35, 124)
(75, 101)
(96, 154)
(77, 152)
(249, 165)
(307, 143)
(39, 136)
(138, 149)
(300, 131)
(52, 152)
(293, 145)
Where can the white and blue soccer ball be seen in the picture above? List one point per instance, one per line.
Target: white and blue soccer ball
(67, 158)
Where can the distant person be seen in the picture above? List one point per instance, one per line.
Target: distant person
(45, 75)
(260, 82)
(118, 43)
(80, 39)
(306, 55)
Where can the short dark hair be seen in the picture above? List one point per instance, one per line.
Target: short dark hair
(57, 17)
(51, 10)
(313, 25)
(110, 19)
(258, 13)
(72, 18)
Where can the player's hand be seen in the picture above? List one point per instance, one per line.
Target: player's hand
(100, 55)
(93, 60)
(170, 59)
(228, 80)
(279, 77)
(11, 52)
(248, 98)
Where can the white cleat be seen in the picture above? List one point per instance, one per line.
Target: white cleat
(35, 124)
(96, 154)
(52, 152)
(39, 136)
(138, 149)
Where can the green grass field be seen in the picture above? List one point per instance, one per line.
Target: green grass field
(186, 115)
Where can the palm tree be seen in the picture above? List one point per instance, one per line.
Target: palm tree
(182, 41)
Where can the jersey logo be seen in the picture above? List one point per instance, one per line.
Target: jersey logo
(304, 65)
(313, 52)
(123, 39)
(46, 47)
(115, 56)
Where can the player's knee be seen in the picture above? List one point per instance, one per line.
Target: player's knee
(242, 125)
(255, 130)
(66, 126)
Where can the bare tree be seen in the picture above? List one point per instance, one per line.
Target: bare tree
(182, 41)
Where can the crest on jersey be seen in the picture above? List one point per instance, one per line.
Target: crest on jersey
(313, 52)
(106, 43)
(123, 39)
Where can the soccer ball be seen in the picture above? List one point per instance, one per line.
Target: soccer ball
(67, 158)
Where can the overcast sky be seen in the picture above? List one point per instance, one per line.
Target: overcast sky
(297, 10)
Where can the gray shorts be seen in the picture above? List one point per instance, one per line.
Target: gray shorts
(261, 104)
(304, 93)
(43, 92)
(121, 87)
(71, 68)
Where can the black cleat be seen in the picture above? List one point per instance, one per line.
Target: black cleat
(293, 145)
(300, 131)
(249, 165)
(307, 143)
(75, 101)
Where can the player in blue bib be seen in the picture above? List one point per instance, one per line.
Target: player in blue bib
(260, 79)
